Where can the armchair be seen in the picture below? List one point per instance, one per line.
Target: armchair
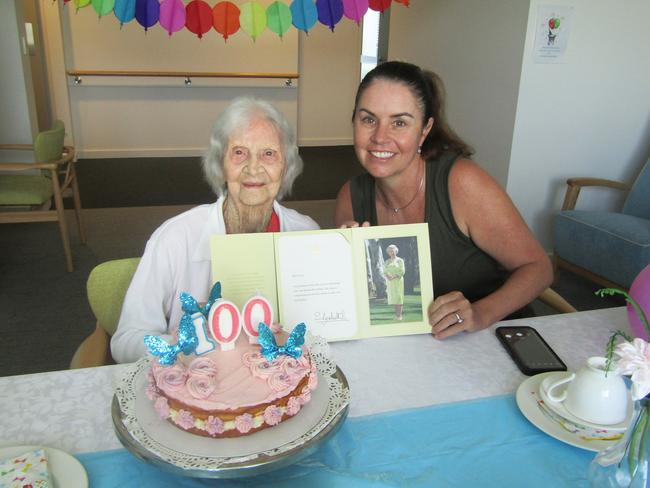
(106, 286)
(609, 248)
(20, 188)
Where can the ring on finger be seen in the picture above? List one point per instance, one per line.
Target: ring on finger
(459, 319)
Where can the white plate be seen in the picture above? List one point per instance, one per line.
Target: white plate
(528, 401)
(560, 409)
(66, 470)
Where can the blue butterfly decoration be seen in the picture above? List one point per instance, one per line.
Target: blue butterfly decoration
(293, 346)
(187, 339)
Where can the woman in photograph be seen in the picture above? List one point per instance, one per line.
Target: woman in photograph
(486, 264)
(251, 163)
(394, 273)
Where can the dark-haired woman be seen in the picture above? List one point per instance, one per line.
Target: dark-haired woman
(486, 263)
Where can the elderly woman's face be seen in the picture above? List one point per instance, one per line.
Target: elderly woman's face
(392, 252)
(254, 164)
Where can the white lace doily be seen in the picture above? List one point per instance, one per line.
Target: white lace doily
(130, 391)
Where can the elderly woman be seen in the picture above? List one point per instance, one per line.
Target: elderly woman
(394, 273)
(251, 163)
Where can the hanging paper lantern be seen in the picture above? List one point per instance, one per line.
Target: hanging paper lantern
(81, 3)
(355, 9)
(124, 10)
(198, 17)
(225, 18)
(329, 12)
(406, 3)
(640, 291)
(147, 12)
(304, 14)
(379, 5)
(252, 19)
(172, 15)
(102, 7)
(278, 18)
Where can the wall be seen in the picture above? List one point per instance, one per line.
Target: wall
(16, 101)
(329, 76)
(589, 116)
(476, 48)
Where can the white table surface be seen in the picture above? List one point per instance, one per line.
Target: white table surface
(70, 410)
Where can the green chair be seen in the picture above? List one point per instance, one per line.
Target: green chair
(107, 284)
(26, 194)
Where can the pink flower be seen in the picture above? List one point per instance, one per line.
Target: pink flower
(244, 423)
(185, 419)
(293, 406)
(634, 360)
(171, 377)
(313, 380)
(200, 385)
(272, 415)
(214, 425)
(162, 407)
(280, 382)
(152, 392)
(305, 397)
(202, 366)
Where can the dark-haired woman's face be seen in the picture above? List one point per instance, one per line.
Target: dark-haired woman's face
(388, 128)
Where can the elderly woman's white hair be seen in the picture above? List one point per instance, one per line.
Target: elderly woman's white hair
(392, 246)
(238, 115)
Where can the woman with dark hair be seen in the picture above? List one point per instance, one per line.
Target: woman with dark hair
(251, 163)
(486, 263)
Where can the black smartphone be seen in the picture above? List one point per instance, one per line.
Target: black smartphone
(529, 350)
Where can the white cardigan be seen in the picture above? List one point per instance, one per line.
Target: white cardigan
(177, 259)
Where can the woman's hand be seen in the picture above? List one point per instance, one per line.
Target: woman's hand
(453, 313)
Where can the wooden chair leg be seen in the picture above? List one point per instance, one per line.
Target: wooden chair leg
(77, 206)
(63, 227)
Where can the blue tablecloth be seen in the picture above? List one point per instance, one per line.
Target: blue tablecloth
(486, 443)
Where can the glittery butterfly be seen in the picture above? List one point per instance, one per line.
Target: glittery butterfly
(293, 346)
(187, 339)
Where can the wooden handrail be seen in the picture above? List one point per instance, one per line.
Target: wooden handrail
(180, 74)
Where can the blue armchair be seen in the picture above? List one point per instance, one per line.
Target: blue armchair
(610, 248)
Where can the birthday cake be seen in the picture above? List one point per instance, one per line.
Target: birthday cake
(215, 382)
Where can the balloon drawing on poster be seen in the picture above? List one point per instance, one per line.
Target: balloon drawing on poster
(552, 33)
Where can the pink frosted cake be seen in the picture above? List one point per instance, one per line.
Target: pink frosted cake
(232, 393)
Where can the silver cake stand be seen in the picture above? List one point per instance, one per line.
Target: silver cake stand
(223, 466)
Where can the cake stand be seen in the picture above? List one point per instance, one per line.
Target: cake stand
(158, 442)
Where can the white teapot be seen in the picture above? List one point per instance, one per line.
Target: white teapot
(593, 394)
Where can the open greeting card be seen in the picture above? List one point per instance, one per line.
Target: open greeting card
(343, 283)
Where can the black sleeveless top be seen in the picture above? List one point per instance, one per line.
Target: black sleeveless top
(456, 262)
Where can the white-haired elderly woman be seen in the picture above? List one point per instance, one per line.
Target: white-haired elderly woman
(251, 163)
(394, 273)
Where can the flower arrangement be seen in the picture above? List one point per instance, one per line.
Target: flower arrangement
(626, 463)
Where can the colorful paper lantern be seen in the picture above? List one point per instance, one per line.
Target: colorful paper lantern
(640, 291)
(355, 9)
(172, 15)
(304, 14)
(81, 3)
(124, 10)
(252, 19)
(103, 7)
(225, 18)
(278, 18)
(198, 17)
(330, 12)
(379, 5)
(147, 13)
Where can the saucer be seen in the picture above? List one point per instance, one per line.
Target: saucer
(559, 409)
(535, 410)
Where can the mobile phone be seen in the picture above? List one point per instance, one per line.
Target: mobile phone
(529, 350)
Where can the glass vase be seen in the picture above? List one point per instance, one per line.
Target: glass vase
(626, 463)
